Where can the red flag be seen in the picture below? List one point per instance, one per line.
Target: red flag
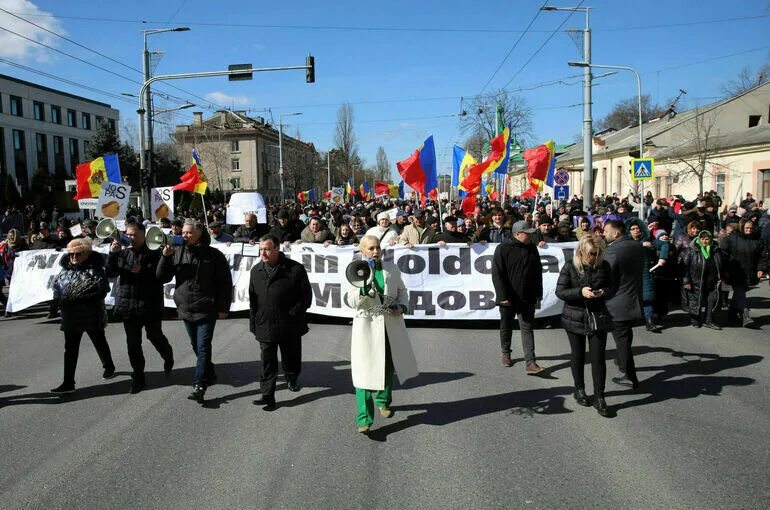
(328, 194)
(469, 204)
(411, 171)
(381, 188)
(433, 194)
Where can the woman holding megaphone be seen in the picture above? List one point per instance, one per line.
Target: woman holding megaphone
(380, 343)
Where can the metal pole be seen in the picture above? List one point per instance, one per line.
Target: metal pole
(146, 98)
(145, 195)
(588, 173)
(280, 156)
(641, 140)
(329, 170)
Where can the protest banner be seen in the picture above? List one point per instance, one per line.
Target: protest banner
(113, 201)
(338, 195)
(451, 282)
(162, 203)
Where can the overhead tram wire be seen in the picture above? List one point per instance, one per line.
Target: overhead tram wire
(505, 59)
(542, 45)
(391, 29)
(180, 99)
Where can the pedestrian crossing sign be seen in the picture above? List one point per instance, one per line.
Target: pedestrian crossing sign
(643, 169)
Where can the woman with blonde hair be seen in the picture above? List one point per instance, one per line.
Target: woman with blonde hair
(80, 289)
(584, 284)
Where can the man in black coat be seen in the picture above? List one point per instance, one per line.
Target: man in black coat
(203, 294)
(285, 230)
(625, 257)
(279, 296)
(250, 231)
(139, 301)
(517, 275)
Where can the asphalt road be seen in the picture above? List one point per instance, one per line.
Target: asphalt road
(467, 433)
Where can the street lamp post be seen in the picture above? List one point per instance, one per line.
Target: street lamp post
(309, 67)
(146, 106)
(588, 174)
(639, 107)
(280, 149)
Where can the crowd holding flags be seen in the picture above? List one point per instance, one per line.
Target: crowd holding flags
(308, 196)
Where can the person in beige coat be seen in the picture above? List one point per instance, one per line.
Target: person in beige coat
(379, 343)
(418, 232)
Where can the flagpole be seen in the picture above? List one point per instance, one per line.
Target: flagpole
(205, 216)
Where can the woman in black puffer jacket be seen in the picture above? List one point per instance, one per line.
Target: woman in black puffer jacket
(746, 263)
(80, 289)
(584, 284)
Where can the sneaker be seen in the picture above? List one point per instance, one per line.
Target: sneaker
(108, 373)
(711, 325)
(293, 386)
(136, 387)
(747, 322)
(363, 429)
(533, 369)
(63, 389)
(197, 394)
(386, 412)
(507, 362)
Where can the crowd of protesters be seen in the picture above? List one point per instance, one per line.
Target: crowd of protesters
(635, 259)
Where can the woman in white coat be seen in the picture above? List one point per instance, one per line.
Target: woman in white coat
(379, 342)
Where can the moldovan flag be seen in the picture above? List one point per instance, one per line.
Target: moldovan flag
(382, 188)
(462, 161)
(305, 196)
(91, 175)
(349, 188)
(538, 162)
(419, 170)
(194, 180)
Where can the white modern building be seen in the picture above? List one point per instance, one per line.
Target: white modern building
(44, 128)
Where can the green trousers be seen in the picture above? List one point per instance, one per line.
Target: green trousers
(366, 399)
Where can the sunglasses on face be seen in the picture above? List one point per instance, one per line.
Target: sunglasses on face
(76, 255)
(593, 253)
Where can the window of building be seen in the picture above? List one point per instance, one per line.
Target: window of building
(74, 150)
(58, 156)
(58, 145)
(16, 109)
(754, 120)
(85, 120)
(235, 146)
(235, 164)
(720, 184)
(1, 103)
(55, 114)
(85, 146)
(236, 182)
(18, 140)
(41, 141)
(72, 118)
(98, 121)
(38, 110)
(3, 169)
(111, 124)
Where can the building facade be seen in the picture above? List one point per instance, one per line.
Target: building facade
(241, 153)
(728, 142)
(44, 128)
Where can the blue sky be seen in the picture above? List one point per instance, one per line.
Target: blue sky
(403, 84)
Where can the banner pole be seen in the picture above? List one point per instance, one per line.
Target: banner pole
(205, 216)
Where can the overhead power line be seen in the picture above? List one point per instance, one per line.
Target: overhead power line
(390, 29)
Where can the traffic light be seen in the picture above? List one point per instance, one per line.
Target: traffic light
(310, 69)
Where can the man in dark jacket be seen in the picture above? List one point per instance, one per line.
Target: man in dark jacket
(450, 233)
(139, 301)
(279, 296)
(625, 257)
(249, 232)
(203, 294)
(517, 275)
(284, 229)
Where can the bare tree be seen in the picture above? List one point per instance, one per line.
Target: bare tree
(746, 80)
(382, 168)
(345, 139)
(698, 147)
(479, 120)
(626, 113)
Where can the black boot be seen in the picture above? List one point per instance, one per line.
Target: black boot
(651, 326)
(581, 397)
(601, 406)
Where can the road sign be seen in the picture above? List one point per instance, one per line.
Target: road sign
(561, 177)
(643, 169)
(240, 76)
(561, 192)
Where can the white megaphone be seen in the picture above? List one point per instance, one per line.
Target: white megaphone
(108, 228)
(360, 274)
(154, 238)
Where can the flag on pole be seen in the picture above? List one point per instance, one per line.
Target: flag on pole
(538, 162)
(194, 180)
(551, 163)
(91, 175)
(419, 169)
(349, 188)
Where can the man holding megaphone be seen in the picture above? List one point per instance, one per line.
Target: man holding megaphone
(139, 300)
